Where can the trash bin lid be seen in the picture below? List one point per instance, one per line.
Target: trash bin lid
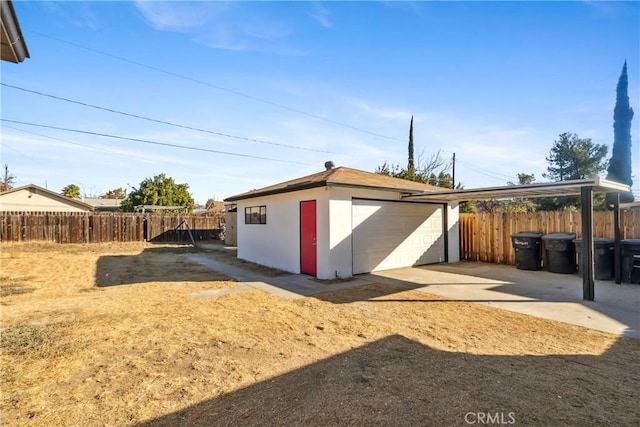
(631, 242)
(527, 234)
(559, 236)
(603, 240)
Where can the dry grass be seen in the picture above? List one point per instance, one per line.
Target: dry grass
(230, 257)
(13, 285)
(110, 335)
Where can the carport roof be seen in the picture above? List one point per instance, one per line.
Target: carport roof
(548, 189)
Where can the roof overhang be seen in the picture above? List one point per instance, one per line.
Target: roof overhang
(549, 189)
(14, 48)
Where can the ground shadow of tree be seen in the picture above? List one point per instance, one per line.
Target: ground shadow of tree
(398, 381)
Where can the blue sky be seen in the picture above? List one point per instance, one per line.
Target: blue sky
(494, 82)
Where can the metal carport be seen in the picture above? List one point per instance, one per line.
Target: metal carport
(585, 188)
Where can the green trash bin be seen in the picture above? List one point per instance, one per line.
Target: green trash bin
(603, 256)
(560, 252)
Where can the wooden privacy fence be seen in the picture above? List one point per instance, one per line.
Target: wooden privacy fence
(107, 227)
(486, 237)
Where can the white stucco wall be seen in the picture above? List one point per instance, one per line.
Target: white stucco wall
(33, 201)
(453, 221)
(341, 254)
(277, 243)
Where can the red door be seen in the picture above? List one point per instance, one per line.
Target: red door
(308, 254)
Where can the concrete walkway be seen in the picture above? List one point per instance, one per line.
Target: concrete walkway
(616, 308)
(288, 286)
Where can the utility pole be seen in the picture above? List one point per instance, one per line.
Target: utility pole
(453, 174)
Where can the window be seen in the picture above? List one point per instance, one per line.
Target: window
(255, 215)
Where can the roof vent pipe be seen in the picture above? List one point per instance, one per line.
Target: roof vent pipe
(329, 165)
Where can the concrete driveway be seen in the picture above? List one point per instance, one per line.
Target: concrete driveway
(616, 308)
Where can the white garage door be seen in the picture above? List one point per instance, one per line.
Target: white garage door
(395, 234)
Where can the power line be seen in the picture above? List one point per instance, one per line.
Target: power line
(235, 92)
(5, 145)
(146, 141)
(471, 165)
(66, 141)
(483, 173)
(106, 150)
(160, 121)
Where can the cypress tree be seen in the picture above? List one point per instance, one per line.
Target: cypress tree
(411, 166)
(620, 163)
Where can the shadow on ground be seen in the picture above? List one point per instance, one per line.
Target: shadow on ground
(154, 264)
(398, 381)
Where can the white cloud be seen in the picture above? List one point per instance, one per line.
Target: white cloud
(321, 15)
(365, 108)
(223, 25)
(177, 16)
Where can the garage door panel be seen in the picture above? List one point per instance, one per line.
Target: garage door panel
(392, 235)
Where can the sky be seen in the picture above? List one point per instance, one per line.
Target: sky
(263, 92)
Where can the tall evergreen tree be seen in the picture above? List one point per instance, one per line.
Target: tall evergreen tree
(620, 162)
(411, 166)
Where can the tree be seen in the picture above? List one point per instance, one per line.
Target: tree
(72, 191)
(116, 193)
(620, 163)
(159, 191)
(8, 179)
(574, 158)
(520, 204)
(524, 179)
(425, 171)
(411, 166)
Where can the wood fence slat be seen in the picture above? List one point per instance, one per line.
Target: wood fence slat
(65, 227)
(486, 237)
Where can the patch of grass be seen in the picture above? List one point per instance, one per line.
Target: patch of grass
(6, 290)
(37, 341)
(13, 285)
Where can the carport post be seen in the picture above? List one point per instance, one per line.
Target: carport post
(617, 253)
(586, 205)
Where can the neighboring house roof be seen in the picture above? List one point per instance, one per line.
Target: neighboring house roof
(339, 177)
(14, 48)
(51, 194)
(104, 204)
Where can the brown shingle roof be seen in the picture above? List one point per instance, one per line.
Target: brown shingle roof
(342, 176)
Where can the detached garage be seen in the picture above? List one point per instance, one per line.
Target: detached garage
(344, 221)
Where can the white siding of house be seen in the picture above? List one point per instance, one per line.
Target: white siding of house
(277, 243)
(453, 219)
(33, 201)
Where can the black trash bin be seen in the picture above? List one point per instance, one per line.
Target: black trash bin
(560, 252)
(603, 256)
(527, 247)
(630, 250)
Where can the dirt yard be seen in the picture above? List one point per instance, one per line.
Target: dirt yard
(110, 335)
